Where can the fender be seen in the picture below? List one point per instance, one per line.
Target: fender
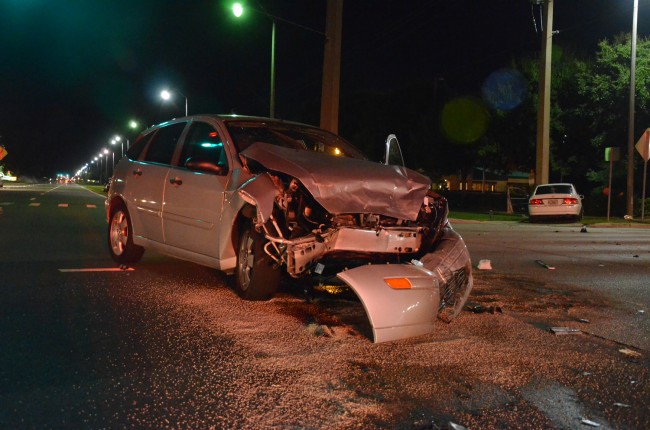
(260, 192)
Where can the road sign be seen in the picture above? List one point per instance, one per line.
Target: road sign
(3, 152)
(612, 154)
(643, 145)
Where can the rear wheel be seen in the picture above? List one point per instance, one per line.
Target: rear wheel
(120, 237)
(256, 274)
(580, 215)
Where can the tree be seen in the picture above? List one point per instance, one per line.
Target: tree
(603, 85)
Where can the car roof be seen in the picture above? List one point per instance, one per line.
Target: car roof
(556, 183)
(230, 117)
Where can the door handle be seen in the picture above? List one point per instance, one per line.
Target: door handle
(176, 181)
(137, 172)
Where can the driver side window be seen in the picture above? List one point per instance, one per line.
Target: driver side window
(203, 150)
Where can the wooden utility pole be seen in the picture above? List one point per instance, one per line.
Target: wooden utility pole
(329, 111)
(544, 109)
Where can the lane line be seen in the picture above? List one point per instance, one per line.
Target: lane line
(98, 269)
(63, 205)
(35, 204)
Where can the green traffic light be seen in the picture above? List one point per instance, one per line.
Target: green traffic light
(238, 9)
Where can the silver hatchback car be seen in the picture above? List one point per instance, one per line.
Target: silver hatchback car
(259, 197)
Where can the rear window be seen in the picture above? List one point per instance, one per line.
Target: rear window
(554, 189)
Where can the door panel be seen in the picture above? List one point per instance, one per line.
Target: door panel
(145, 183)
(193, 195)
(192, 211)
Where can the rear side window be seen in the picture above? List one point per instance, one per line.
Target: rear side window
(135, 150)
(161, 147)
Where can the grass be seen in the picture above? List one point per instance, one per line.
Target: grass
(588, 220)
(99, 189)
(495, 216)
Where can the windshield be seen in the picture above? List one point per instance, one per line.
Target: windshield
(245, 133)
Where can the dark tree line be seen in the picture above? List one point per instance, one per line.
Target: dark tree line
(589, 112)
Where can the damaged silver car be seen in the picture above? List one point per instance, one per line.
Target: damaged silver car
(260, 198)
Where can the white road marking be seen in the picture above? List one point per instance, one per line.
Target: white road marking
(98, 269)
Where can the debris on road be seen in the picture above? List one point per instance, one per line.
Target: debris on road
(320, 330)
(565, 330)
(630, 353)
(584, 320)
(454, 426)
(621, 405)
(479, 309)
(589, 423)
(484, 265)
(541, 263)
(584, 229)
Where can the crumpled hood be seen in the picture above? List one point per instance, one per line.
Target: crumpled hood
(347, 185)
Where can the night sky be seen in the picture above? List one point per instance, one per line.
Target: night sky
(74, 72)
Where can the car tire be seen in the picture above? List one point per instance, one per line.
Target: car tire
(257, 276)
(580, 215)
(120, 237)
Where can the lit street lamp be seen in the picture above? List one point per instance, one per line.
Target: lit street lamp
(238, 11)
(118, 138)
(98, 161)
(166, 95)
(105, 151)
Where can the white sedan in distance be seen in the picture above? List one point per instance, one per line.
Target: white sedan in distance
(555, 200)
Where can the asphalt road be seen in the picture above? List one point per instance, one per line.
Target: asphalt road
(613, 262)
(169, 345)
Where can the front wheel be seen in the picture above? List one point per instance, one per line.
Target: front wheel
(120, 237)
(256, 274)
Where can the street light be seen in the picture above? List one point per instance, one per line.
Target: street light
(118, 138)
(238, 11)
(105, 151)
(98, 160)
(629, 198)
(166, 95)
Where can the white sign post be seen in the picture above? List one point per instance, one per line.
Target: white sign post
(643, 146)
(611, 155)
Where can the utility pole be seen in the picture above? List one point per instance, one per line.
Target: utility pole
(630, 134)
(329, 111)
(544, 109)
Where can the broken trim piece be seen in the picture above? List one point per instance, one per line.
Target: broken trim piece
(397, 313)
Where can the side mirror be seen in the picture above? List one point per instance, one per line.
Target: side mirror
(393, 155)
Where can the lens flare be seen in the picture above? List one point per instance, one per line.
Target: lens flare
(504, 89)
(464, 120)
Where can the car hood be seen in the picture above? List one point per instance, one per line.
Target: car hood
(347, 185)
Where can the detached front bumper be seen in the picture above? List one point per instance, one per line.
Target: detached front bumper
(404, 300)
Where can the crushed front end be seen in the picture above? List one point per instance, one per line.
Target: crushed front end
(405, 272)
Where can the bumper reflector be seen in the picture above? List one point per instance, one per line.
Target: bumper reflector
(398, 283)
